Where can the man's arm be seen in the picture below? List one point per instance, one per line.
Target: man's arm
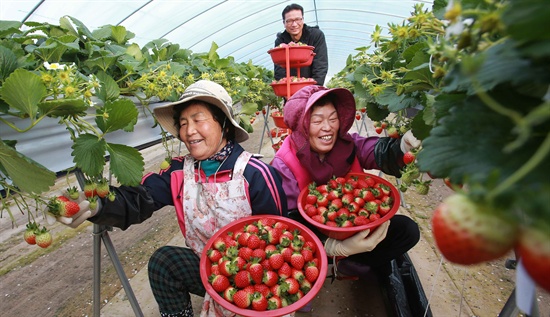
(319, 66)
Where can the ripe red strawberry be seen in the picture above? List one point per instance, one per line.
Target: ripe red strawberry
(242, 279)
(360, 221)
(305, 286)
(384, 208)
(311, 198)
(229, 293)
(256, 270)
(263, 289)
(293, 285)
(219, 282)
(245, 253)
(270, 278)
(274, 302)
(311, 271)
(297, 260)
(298, 275)
(310, 245)
(534, 252)
(253, 241)
(242, 298)
(284, 271)
(219, 244)
(287, 253)
(276, 260)
(379, 130)
(409, 157)
(30, 233)
(227, 267)
(259, 302)
(357, 117)
(466, 232)
(214, 255)
(259, 253)
(319, 219)
(61, 206)
(43, 238)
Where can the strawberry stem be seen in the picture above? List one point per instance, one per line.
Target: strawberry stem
(530, 165)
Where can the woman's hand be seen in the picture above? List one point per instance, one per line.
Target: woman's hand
(358, 243)
(82, 215)
(408, 142)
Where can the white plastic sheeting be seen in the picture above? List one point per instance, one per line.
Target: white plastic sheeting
(244, 29)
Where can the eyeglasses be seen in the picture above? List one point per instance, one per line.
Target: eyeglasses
(291, 21)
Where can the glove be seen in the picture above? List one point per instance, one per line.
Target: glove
(358, 243)
(408, 142)
(82, 215)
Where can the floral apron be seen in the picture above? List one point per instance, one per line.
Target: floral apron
(210, 206)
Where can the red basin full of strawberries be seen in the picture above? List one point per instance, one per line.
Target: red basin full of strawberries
(263, 266)
(349, 204)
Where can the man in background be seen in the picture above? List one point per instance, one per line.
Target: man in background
(297, 31)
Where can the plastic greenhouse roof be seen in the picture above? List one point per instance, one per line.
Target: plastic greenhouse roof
(243, 29)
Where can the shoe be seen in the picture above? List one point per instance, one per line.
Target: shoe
(349, 269)
(307, 308)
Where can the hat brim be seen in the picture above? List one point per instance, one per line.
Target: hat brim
(165, 115)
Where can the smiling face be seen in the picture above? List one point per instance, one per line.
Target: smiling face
(200, 132)
(323, 128)
(294, 23)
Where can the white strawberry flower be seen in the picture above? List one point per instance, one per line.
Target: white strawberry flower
(54, 66)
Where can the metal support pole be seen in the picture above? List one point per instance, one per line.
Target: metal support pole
(100, 233)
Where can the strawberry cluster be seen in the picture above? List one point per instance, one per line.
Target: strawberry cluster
(353, 200)
(294, 79)
(264, 265)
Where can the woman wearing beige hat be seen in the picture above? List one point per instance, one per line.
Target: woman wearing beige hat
(216, 183)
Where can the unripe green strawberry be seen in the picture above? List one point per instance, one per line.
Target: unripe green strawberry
(73, 193)
(93, 202)
(403, 187)
(43, 238)
(422, 188)
(165, 164)
(407, 178)
(111, 196)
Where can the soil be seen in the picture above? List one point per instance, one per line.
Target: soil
(58, 281)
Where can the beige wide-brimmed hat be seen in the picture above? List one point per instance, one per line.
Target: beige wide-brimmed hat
(207, 91)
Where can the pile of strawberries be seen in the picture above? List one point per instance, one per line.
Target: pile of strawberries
(263, 265)
(353, 200)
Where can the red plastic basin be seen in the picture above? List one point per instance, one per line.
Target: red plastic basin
(292, 225)
(340, 233)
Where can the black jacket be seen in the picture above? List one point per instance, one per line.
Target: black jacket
(313, 36)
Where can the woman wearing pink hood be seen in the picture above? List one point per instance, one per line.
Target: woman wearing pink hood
(320, 147)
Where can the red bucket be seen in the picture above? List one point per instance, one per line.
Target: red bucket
(236, 225)
(301, 54)
(341, 233)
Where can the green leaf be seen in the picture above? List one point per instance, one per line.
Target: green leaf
(109, 89)
(126, 164)
(527, 20)
(119, 114)
(23, 91)
(469, 143)
(89, 154)
(8, 62)
(375, 112)
(63, 107)
(249, 108)
(18, 168)
(119, 34)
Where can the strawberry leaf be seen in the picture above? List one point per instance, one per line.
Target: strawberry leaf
(23, 90)
(126, 164)
(18, 167)
(121, 114)
(89, 154)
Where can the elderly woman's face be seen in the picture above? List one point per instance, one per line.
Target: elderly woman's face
(323, 128)
(200, 132)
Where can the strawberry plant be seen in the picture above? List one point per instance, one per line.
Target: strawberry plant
(94, 83)
(472, 77)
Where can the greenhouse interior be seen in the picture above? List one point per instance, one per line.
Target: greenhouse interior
(434, 202)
